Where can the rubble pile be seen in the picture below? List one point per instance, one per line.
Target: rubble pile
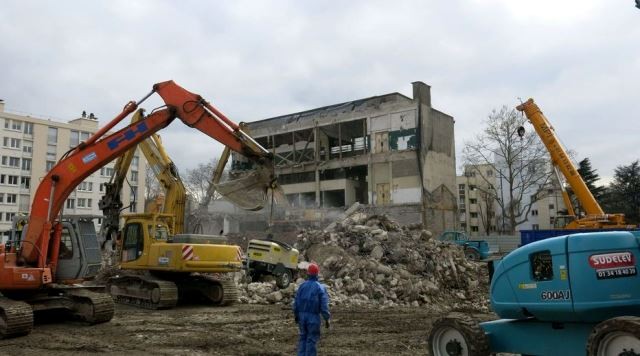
(371, 260)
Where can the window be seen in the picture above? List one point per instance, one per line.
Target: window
(14, 162)
(50, 165)
(25, 182)
(28, 128)
(71, 203)
(13, 180)
(66, 246)
(85, 187)
(542, 266)
(3, 178)
(474, 228)
(15, 143)
(82, 203)
(472, 187)
(101, 187)
(474, 215)
(51, 152)
(52, 136)
(134, 162)
(8, 216)
(133, 242)
(1, 197)
(27, 147)
(489, 173)
(12, 124)
(551, 207)
(26, 164)
(89, 203)
(84, 136)
(12, 198)
(74, 138)
(535, 227)
(106, 172)
(473, 201)
(11, 142)
(134, 176)
(534, 212)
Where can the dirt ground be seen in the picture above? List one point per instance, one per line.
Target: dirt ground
(234, 330)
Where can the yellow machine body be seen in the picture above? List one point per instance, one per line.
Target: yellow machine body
(147, 245)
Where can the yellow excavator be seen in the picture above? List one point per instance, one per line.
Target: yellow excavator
(159, 263)
(595, 217)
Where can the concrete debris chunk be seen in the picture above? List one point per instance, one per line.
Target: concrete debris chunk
(370, 260)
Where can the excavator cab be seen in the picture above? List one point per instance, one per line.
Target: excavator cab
(79, 251)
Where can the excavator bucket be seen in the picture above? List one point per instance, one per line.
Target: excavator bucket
(250, 191)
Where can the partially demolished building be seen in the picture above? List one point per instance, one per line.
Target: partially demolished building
(386, 150)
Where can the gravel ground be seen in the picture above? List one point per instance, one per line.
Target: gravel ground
(234, 330)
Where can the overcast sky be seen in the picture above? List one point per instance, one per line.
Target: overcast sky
(580, 60)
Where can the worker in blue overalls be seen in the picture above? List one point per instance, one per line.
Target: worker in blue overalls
(311, 302)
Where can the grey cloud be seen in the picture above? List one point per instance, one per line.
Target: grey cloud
(260, 59)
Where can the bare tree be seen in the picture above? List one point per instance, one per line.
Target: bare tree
(520, 165)
(152, 186)
(197, 181)
(486, 210)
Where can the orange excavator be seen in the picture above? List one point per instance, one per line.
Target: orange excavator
(31, 263)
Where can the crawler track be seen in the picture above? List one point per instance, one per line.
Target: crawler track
(92, 307)
(143, 292)
(160, 293)
(16, 318)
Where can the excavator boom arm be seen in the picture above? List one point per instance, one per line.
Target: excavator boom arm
(560, 157)
(87, 158)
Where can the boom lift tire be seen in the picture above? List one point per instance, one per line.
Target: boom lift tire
(457, 335)
(615, 336)
(471, 254)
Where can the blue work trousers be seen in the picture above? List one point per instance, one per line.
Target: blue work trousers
(309, 336)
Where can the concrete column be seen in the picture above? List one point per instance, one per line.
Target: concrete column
(316, 141)
(317, 188)
(293, 140)
(340, 140)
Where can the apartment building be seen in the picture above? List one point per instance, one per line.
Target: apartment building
(480, 214)
(30, 147)
(477, 207)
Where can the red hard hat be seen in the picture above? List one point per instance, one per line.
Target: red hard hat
(313, 269)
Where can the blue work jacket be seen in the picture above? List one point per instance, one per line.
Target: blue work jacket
(311, 301)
